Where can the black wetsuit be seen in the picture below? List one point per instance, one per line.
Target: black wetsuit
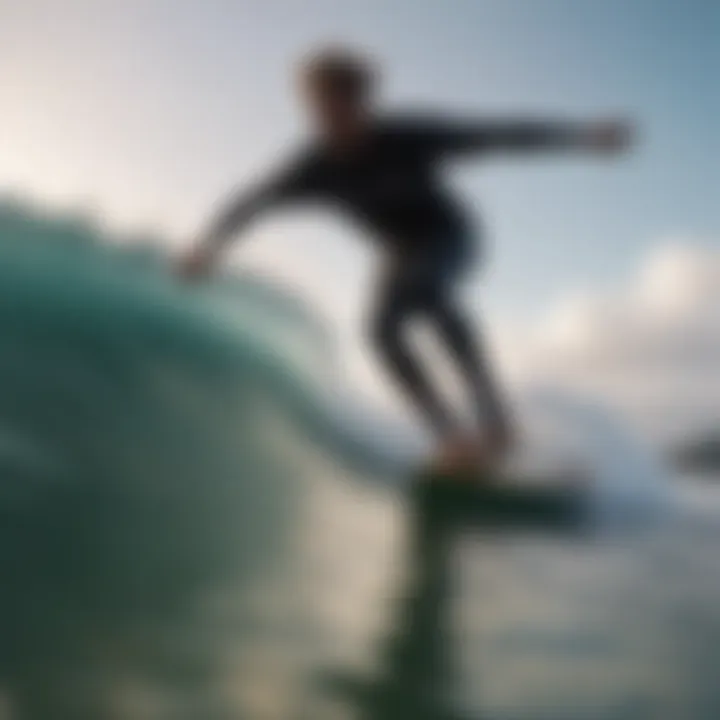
(392, 187)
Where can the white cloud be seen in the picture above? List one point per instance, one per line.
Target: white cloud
(650, 348)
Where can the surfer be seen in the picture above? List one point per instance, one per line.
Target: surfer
(384, 172)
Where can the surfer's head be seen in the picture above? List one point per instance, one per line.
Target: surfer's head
(338, 86)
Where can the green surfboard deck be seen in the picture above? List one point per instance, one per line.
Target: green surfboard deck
(473, 500)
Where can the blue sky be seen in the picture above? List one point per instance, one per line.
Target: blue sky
(149, 110)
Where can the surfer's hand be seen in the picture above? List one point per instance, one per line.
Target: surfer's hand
(608, 136)
(196, 264)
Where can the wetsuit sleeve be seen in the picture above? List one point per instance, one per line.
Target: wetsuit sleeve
(442, 137)
(288, 185)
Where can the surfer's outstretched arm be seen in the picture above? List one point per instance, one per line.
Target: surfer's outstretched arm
(465, 137)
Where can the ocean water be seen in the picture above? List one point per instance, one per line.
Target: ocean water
(593, 624)
(189, 528)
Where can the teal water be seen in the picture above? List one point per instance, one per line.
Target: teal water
(183, 532)
(154, 444)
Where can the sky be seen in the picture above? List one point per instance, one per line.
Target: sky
(149, 112)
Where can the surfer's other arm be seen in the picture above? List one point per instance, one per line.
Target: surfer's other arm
(465, 137)
(232, 219)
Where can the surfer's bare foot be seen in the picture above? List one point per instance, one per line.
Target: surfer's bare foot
(494, 446)
(459, 453)
(467, 452)
(456, 454)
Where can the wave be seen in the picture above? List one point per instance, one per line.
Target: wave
(154, 454)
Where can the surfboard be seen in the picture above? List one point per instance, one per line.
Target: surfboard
(472, 498)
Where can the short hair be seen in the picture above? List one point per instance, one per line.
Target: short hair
(339, 70)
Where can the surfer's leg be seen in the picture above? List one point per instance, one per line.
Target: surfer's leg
(465, 345)
(397, 304)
